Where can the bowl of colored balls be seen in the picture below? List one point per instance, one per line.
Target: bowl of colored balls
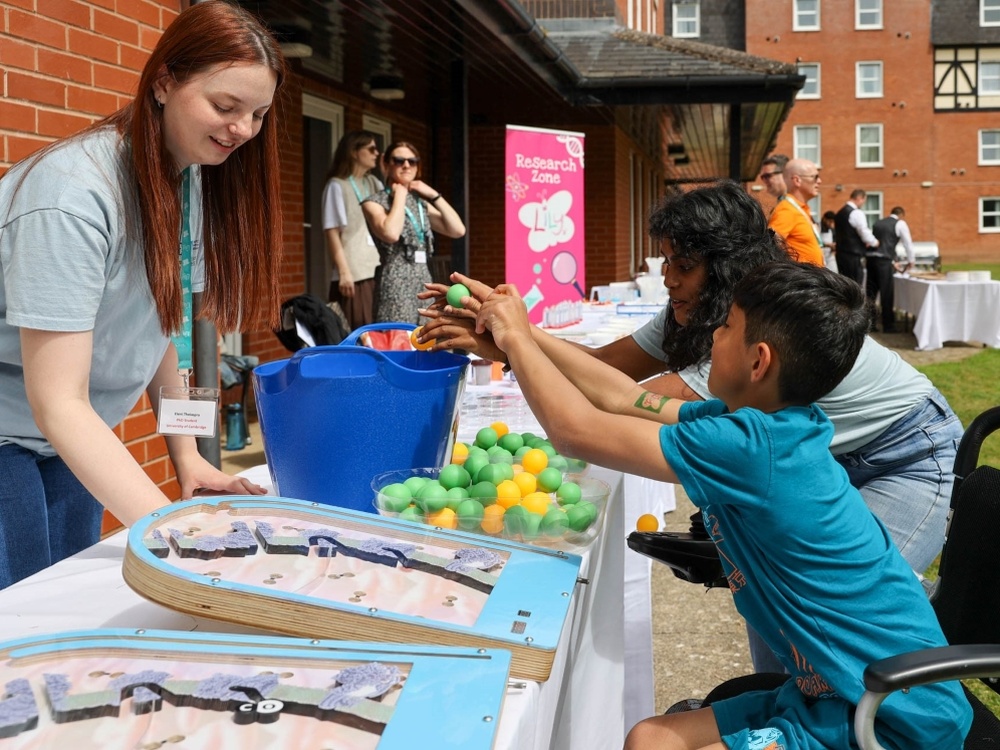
(550, 509)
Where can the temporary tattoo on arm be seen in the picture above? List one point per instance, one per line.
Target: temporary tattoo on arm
(653, 402)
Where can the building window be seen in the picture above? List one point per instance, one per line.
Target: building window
(872, 208)
(815, 208)
(868, 80)
(868, 14)
(989, 147)
(806, 143)
(869, 146)
(989, 215)
(989, 78)
(810, 90)
(805, 15)
(687, 18)
(989, 12)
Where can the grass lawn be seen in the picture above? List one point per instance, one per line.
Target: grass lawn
(971, 387)
(992, 267)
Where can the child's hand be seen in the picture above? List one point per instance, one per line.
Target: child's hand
(503, 313)
(453, 332)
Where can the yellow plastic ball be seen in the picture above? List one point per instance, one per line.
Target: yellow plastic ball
(416, 344)
(459, 452)
(526, 482)
(492, 522)
(535, 460)
(537, 502)
(445, 518)
(501, 428)
(647, 522)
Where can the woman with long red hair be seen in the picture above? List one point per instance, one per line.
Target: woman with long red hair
(106, 237)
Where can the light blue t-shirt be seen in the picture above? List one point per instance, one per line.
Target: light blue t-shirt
(67, 265)
(810, 567)
(879, 390)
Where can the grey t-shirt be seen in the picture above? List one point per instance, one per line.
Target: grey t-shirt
(66, 265)
(880, 389)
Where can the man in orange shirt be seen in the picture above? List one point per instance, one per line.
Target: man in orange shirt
(792, 219)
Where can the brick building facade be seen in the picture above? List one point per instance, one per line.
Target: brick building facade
(901, 100)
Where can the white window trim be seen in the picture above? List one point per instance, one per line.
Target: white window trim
(819, 143)
(379, 127)
(872, 216)
(697, 21)
(868, 27)
(324, 109)
(796, 26)
(858, 93)
(982, 13)
(983, 161)
(857, 145)
(984, 229)
(819, 83)
(979, 78)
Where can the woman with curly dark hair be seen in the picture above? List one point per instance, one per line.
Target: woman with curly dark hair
(894, 432)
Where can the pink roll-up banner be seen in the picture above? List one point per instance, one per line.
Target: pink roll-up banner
(544, 216)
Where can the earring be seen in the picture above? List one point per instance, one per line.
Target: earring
(159, 103)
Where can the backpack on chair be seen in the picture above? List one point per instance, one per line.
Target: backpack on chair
(306, 320)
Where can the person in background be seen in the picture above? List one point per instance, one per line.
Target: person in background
(881, 264)
(772, 175)
(792, 219)
(402, 219)
(826, 239)
(852, 236)
(352, 250)
(92, 288)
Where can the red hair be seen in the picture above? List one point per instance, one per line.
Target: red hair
(241, 197)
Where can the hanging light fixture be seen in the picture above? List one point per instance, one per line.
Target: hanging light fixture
(386, 87)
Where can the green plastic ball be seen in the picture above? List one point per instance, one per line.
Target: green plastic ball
(569, 493)
(454, 475)
(394, 497)
(493, 473)
(455, 294)
(511, 442)
(554, 523)
(484, 492)
(549, 479)
(474, 463)
(500, 455)
(486, 438)
(431, 498)
(470, 513)
(412, 514)
(415, 483)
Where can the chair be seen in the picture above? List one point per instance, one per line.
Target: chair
(966, 598)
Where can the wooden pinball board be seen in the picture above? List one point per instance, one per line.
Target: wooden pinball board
(311, 570)
(146, 690)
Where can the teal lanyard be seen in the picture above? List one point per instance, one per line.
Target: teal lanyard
(421, 228)
(357, 190)
(182, 341)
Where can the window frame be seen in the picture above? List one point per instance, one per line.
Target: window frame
(870, 26)
(858, 92)
(876, 211)
(858, 163)
(818, 79)
(797, 147)
(994, 6)
(796, 13)
(697, 19)
(985, 161)
(980, 91)
(983, 229)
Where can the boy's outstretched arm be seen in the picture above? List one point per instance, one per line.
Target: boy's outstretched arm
(574, 425)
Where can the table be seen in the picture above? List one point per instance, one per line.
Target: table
(581, 705)
(950, 310)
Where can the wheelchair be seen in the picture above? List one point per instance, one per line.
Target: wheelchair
(965, 597)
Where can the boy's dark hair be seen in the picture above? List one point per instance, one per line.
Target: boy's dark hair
(726, 230)
(814, 319)
(778, 160)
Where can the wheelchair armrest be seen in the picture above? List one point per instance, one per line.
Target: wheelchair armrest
(922, 667)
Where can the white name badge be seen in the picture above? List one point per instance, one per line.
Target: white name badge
(420, 256)
(188, 411)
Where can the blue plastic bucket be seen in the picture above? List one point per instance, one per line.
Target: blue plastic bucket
(332, 417)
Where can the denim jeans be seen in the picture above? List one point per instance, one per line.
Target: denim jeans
(46, 515)
(905, 476)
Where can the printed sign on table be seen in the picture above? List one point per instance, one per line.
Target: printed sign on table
(544, 216)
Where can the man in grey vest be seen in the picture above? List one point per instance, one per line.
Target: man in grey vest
(881, 262)
(852, 236)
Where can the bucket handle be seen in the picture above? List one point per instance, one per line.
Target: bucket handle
(352, 338)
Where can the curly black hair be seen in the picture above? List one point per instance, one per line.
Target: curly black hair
(724, 229)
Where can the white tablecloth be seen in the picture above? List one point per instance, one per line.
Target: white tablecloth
(950, 310)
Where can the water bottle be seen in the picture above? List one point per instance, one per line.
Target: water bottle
(236, 430)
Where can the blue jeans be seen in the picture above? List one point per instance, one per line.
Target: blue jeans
(905, 476)
(46, 515)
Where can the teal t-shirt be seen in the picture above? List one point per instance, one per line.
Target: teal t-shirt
(67, 264)
(810, 567)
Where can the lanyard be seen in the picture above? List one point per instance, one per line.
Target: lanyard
(357, 190)
(182, 340)
(421, 228)
(798, 208)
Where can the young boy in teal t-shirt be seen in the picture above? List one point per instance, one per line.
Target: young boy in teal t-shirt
(810, 568)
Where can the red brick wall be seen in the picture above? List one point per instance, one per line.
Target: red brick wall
(924, 144)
